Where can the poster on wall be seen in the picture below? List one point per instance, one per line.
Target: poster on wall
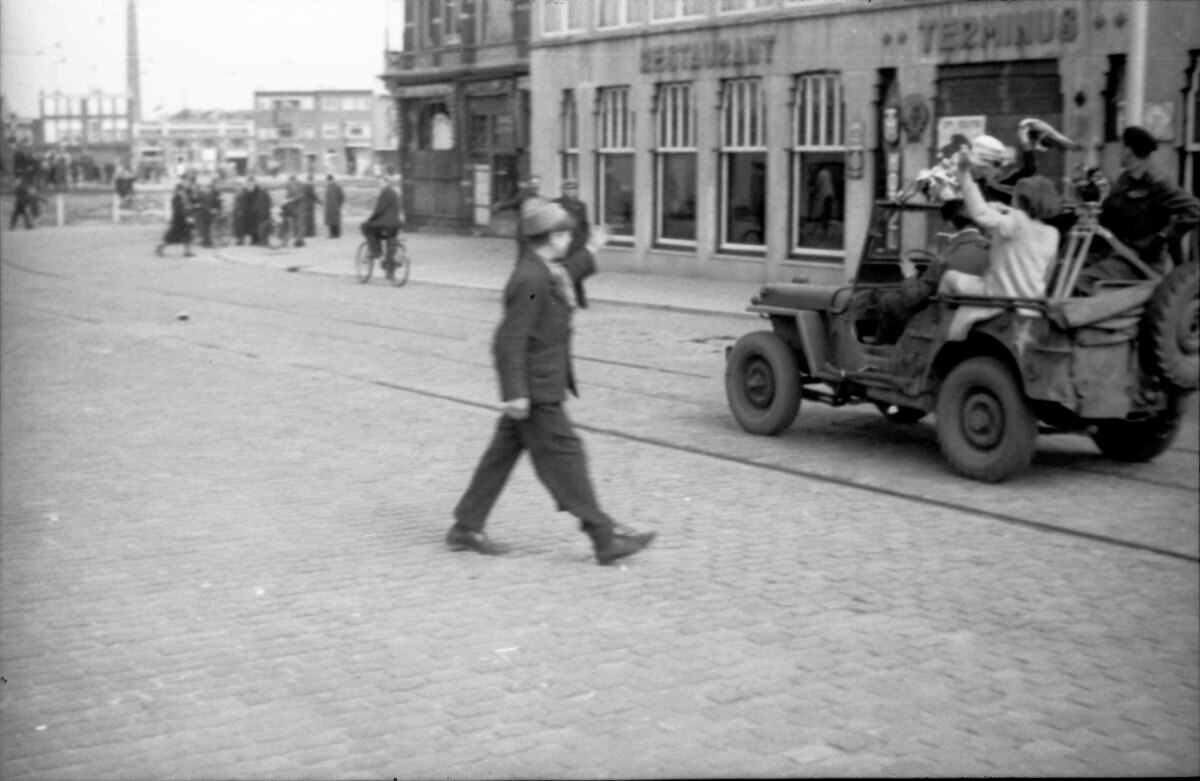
(953, 131)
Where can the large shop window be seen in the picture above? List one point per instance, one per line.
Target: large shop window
(569, 143)
(675, 166)
(743, 165)
(614, 185)
(818, 164)
(563, 16)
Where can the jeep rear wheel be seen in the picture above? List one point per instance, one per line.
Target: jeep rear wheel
(1171, 329)
(986, 429)
(1137, 441)
(762, 383)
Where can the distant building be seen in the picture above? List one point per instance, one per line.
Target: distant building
(207, 142)
(462, 87)
(316, 131)
(94, 125)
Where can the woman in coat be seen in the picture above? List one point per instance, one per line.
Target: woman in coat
(180, 229)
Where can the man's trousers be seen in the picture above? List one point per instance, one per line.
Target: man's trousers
(558, 459)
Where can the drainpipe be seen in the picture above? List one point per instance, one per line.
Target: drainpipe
(1135, 88)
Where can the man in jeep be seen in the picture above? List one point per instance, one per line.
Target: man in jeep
(1145, 211)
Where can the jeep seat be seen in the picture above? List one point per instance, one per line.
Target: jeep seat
(792, 295)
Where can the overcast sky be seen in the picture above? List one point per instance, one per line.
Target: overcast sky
(199, 54)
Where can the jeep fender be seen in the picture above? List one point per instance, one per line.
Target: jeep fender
(804, 331)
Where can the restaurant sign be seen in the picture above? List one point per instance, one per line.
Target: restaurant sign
(699, 55)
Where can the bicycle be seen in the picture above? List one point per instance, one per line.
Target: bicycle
(278, 234)
(364, 264)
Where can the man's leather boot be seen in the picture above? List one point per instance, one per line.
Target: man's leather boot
(618, 542)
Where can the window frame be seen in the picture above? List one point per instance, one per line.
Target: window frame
(679, 10)
(562, 11)
(740, 133)
(809, 137)
(569, 136)
(674, 136)
(615, 137)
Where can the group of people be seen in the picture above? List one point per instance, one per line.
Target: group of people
(194, 211)
(59, 170)
(1008, 228)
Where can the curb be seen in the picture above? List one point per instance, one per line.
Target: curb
(313, 269)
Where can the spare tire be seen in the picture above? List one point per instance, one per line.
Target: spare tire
(1171, 329)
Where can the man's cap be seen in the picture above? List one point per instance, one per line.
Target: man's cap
(539, 217)
(988, 149)
(1139, 141)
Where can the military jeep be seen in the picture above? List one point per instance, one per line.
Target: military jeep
(1114, 364)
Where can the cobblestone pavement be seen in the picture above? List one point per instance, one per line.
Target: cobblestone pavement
(222, 558)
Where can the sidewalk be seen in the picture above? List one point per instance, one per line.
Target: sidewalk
(485, 263)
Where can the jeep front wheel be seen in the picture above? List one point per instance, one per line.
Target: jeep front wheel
(762, 383)
(986, 430)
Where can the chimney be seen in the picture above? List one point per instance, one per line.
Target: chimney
(133, 78)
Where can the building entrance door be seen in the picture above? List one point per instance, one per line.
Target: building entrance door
(1004, 93)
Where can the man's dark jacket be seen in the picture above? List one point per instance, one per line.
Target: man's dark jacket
(532, 345)
(387, 210)
(1143, 210)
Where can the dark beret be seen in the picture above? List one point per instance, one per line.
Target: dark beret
(1139, 141)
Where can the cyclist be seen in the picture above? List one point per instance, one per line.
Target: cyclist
(385, 222)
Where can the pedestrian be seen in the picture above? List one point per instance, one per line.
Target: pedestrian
(386, 220)
(180, 229)
(292, 209)
(334, 198)
(309, 201)
(531, 348)
(240, 218)
(580, 233)
(260, 212)
(25, 205)
(210, 209)
(1145, 211)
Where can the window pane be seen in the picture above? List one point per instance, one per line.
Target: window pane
(821, 192)
(745, 198)
(677, 197)
(616, 193)
(577, 10)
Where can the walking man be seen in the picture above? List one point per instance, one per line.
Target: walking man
(532, 352)
(334, 198)
(25, 205)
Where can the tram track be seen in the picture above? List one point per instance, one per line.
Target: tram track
(1015, 520)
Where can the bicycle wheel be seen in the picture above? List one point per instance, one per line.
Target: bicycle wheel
(364, 264)
(402, 264)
